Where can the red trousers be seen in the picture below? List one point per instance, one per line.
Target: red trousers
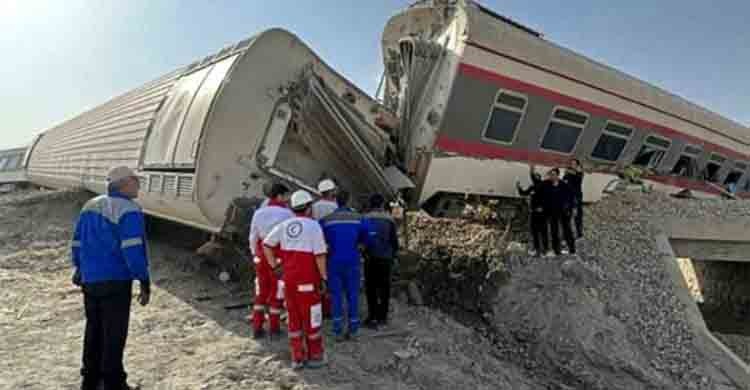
(268, 297)
(305, 320)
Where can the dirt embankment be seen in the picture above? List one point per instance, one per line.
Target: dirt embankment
(608, 319)
(186, 339)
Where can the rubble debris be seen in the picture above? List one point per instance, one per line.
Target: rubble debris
(608, 318)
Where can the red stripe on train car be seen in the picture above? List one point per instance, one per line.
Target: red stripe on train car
(483, 150)
(594, 109)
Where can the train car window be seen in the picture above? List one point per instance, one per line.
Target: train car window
(652, 152)
(507, 113)
(564, 129)
(687, 165)
(733, 178)
(713, 167)
(612, 142)
(3, 163)
(12, 163)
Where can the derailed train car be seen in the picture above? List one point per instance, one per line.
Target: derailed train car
(264, 109)
(480, 97)
(470, 98)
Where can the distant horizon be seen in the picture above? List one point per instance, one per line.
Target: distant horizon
(108, 54)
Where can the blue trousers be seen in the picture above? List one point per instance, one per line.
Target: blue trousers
(344, 280)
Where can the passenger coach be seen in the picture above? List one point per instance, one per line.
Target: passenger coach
(482, 96)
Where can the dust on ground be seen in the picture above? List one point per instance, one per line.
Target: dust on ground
(186, 339)
(606, 319)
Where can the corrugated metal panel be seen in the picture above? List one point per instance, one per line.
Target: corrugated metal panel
(86, 146)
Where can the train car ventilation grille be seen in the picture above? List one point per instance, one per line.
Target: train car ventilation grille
(170, 185)
(154, 184)
(185, 187)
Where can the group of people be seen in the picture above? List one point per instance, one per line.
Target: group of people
(305, 250)
(554, 201)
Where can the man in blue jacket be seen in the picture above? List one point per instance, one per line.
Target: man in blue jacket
(344, 231)
(382, 248)
(109, 252)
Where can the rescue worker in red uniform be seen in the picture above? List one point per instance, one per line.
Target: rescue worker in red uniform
(269, 289)
(301, 262)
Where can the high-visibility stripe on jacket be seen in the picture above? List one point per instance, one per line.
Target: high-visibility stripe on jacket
(109, 242)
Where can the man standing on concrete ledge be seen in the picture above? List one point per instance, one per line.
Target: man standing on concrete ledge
(109, 252)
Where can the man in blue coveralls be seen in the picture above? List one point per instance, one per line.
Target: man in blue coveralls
(344, 231)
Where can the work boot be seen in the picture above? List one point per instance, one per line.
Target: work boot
(259, 334)
(564, 252)
(532, 253)
(371, 323)
(340, 338)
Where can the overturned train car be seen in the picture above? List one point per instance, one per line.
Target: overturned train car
(221, 128)
(480, 97)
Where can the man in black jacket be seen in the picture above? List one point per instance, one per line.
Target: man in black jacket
(381, 248)
(574, 178)
(539, 231)
(558, 202)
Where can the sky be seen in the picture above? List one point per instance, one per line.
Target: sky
(60, 58)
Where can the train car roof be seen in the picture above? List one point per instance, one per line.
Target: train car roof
(522, 42)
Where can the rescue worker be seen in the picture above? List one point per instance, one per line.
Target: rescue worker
(381, 249)
(327, 203)
(539, 231)
(574, 178)
(558, 201)
(108, 253)
(344, 231)
(269, 289)
(323, 207)
(302, 265)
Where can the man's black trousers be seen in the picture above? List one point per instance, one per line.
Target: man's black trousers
(107, 306)
(539, 231)
(579, 215)
(557, 219)
(378, 287)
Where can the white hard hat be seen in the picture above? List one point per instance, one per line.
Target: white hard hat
(326, 185)
(300, 199)
(118, 173)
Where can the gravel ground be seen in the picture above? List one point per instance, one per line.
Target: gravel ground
(185, 339)
(608, 318)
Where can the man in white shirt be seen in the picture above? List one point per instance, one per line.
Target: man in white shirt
(327, 204)
(268, 288)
